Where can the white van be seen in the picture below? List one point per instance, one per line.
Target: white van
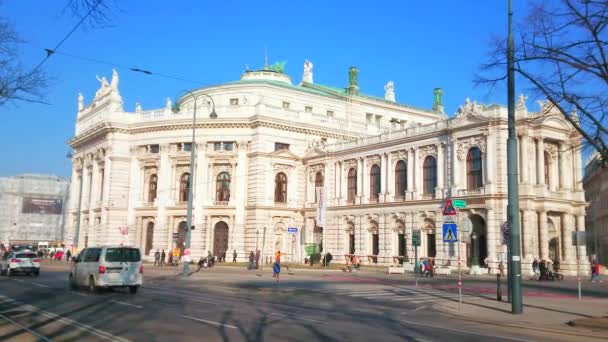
(107, 267)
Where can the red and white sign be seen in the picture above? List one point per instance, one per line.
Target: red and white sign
(448, 208)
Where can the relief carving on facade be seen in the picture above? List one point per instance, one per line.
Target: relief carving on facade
(552, 150)
(470, 108)
(348, 164)
(278, 167)
(219, 168)
(398, 155)
(78, 163)
(374, 159)
(463, 145)
(429, 150)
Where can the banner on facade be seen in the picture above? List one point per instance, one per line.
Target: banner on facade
(321, 206)
(43, 206)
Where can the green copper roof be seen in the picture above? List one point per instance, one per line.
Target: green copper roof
(324, 90)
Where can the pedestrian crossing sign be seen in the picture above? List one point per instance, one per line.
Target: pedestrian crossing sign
(450, 232)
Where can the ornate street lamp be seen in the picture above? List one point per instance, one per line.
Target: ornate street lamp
(212, 115)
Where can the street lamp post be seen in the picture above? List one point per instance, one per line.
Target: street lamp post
(212, 115)
(257, 234)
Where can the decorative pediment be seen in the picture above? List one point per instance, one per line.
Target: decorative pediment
(347, 164)
(463, 145)
(554, 120)
(374, 159)
(284, 154)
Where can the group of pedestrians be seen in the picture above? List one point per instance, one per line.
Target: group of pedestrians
(254, 260)
(426, 267)
(159, 258)
(547, 269)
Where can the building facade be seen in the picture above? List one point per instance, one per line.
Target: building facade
(596, 191)
(32, 209)
(384, 169)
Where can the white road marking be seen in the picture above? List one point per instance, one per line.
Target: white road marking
(198, 300)
(126, 304)
(466, 331)
(80, 326)
(300, 318)
(217, 324)
(39, 284)
(79, 294)
(23, 327)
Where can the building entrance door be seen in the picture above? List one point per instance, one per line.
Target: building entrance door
(220, 238)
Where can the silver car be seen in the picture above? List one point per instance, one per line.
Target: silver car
(24, 262)
(107, 267)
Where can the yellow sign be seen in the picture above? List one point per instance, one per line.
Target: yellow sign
(176, 252)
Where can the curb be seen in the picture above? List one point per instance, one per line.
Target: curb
(451, 312)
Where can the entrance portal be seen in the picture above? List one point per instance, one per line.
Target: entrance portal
(220, 238)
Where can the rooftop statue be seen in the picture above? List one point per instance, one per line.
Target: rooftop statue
(80, 102)
(278, 67)
(104, 87)
(389, 91)
(115, 80)
(307, 76)
(438, 93)
(352, 76)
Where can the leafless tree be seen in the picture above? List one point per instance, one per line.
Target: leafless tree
(17, 83)
(561, 52)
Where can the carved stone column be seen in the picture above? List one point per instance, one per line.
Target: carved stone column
(543, 234)
(383, 177)
(440, 170)
(540, 161)
(410, 173)
(525, 159)
(417, 173)
(563, 166)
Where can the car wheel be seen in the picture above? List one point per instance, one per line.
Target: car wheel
(133, 289)
(36, 273)
(92, 287)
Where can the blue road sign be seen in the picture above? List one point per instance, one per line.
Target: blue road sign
(450, 232)
(292, 230)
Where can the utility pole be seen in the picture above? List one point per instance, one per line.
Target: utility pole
(513, 191)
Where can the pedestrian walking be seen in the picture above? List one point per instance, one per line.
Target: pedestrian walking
(251, 260)
(328, 259)
(276, 268)
(170, 259)
(501, 269)
(201, 262)
(535, 268)
(257, 259)
(162, 257)
(597, 278)
(157, 258)
(234, 256)
(51, 255)
(224, 256)
(68, 256)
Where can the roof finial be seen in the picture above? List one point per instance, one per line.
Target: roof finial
(265, 58)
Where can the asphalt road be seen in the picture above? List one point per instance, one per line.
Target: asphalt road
(232, 305)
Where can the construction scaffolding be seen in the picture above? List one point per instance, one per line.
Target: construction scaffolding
(32, 209)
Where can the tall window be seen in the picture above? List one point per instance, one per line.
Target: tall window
(152, 185)
(223, 187)
(280, 188)
(429, 175)
(547, 168)
(474, 168)
(318, 183)
(183, 187)
(352, 185)
(400, 178)
(374, 182)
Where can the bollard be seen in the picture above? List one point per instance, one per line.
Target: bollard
(498, 289)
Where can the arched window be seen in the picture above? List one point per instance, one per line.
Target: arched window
(318, 184)
(400, 179)
(280, 188)
(183, 187)
(374, 182)
(474, 169)
(352, 185)
(152, 185)
(547, 168)
(222, 187)
(429, 174)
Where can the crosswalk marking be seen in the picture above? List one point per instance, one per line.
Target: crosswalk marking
(415, 296)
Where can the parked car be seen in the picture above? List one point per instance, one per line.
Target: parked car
(107, 267)
(23, 261)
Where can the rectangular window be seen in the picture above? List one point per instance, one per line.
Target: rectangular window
(217, 146)
(285, 105)
(378, 119)
(280, 146)
(369, 117)
(228, 146)
(308, 109)
(187, 147)
(234, 102)
(154, 148)
(330, 113)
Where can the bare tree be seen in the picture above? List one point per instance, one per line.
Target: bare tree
(17, 83)
(561, 52)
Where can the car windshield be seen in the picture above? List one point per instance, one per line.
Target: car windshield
(26, 255)
(122, 255)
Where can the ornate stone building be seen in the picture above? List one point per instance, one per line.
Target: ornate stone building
(385, 169)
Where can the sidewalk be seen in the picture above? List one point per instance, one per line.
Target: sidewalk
(539, 314)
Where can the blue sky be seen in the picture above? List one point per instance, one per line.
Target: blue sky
(419, 45)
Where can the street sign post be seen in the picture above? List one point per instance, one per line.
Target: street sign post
(578, 240)
(459, 203)
(450, 232)
(448, 209)
(416, 244)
